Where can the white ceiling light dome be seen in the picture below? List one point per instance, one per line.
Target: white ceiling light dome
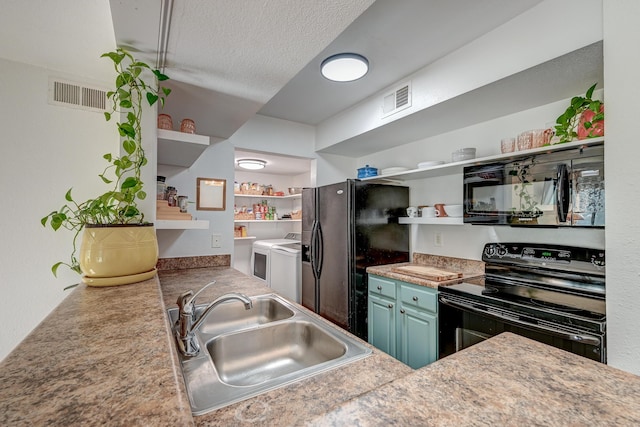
(251, 164)
(344, 67)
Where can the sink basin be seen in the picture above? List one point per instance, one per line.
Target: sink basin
(249, 352)
(261, 354)
(232, 316)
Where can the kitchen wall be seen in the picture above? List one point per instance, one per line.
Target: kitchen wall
(268, 134)
(467, 241)
(622, 151)
(540, 34)
(45, 149)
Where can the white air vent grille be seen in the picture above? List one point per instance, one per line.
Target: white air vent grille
(397, 100)
(77, 95)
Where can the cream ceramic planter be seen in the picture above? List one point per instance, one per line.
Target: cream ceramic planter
(118, 254)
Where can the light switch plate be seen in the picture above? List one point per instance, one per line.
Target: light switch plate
(216, 240)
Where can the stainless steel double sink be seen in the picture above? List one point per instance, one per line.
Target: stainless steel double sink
(249, 352)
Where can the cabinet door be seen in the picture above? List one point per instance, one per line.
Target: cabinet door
(382, 324)
(418, 337)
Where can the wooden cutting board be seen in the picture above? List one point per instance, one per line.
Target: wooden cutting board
(425, 272)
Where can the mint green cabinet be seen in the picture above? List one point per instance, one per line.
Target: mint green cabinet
(403, 320)
(382, 314)
(382, 311)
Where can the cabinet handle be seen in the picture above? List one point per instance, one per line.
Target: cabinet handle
(402, 311)
(379, 288)
(390, 305)
(415, 298)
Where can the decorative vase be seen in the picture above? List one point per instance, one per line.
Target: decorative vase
(187, 126)
(165, 122)
(597, 127)
(113, 255)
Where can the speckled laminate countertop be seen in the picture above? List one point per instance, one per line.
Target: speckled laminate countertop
(507, 380)
(470, 269)
(104, 356)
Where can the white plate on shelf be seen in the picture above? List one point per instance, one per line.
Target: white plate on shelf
(389, 171)
(429, 163)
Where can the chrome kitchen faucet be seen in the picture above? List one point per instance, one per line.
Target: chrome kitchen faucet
(187, 324)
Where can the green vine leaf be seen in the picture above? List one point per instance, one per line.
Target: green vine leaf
(151, 98)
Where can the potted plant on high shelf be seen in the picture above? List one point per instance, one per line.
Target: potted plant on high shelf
(117, 246)
(584, 118)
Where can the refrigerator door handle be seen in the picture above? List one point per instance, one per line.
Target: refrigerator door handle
(320, 249)
(313, 250)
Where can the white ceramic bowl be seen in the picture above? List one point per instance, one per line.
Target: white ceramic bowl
(454, 211)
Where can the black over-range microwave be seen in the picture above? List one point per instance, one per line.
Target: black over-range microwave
(556, 189)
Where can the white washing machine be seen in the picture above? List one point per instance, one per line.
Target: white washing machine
(286, 271)
(261, 255)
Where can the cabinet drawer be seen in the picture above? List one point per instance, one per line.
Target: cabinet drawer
(383, 287)
(419, 296)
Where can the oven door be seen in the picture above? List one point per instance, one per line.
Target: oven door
(464, 322)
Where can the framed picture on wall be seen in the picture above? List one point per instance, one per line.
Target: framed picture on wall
(211, 194)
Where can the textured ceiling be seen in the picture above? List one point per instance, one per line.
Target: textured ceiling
(228, 58)
(251, 48)
(398, 37)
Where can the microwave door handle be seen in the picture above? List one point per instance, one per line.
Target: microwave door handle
(562, 195)
(584, 339)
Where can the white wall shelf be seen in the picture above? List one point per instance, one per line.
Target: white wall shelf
(266, 221)
(433, 221)
(172, 224)
(456, 167)
(179, 148)
(254, 196)
(245, 238)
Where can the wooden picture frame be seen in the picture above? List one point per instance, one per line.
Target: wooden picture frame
(211, 194)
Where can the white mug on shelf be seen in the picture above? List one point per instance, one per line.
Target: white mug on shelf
(412, 212)
(428, 212)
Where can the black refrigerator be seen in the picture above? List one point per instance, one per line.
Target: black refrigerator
(347, 227)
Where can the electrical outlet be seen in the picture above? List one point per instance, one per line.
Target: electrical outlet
(437, 239)
(216, 240)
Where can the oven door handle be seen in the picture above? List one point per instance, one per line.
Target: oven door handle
(584, 339)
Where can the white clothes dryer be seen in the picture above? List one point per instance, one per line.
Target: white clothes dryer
(286, 271)
(261, 255)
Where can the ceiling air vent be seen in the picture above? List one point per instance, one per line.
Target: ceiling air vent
(397, 100)
(77, 95)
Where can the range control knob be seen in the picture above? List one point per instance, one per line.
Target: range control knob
(598, 260)
(490, 250)
(502, 251)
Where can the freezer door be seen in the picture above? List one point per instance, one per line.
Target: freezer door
(308, 250)
(334, 218)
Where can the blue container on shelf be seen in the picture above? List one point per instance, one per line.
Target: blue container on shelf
(367, 171)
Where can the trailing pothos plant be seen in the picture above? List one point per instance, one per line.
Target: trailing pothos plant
(122, 174)
(568, 122)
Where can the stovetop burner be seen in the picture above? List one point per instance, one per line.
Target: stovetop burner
(550, 293)
(551, 282)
